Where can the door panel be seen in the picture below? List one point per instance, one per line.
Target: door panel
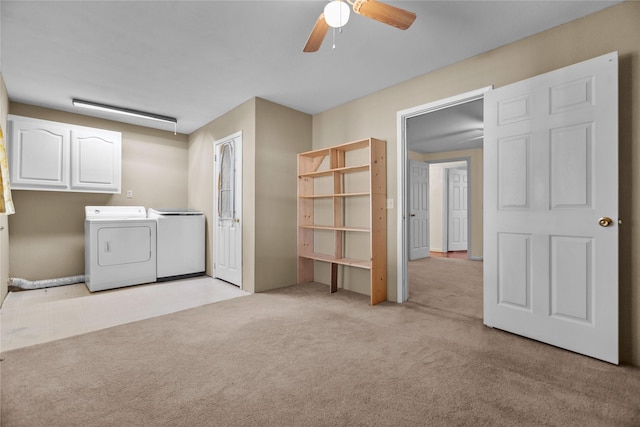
(513, 172)
(514, 287)
(571, 279)
(570, 156)
(551, 172)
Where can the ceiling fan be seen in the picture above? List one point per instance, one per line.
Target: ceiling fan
(336, 14)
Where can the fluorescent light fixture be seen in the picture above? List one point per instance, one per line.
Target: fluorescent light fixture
(125, 111)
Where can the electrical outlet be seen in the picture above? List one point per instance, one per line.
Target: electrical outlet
(129, 194)
(389, 203)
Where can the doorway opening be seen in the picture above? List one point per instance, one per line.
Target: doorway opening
(446, 132)
(445, 278)
(448, 192)
(439, 208)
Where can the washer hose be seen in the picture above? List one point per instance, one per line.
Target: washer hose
(25, 284)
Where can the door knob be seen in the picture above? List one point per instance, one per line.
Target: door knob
(605, 221)
(413, 214)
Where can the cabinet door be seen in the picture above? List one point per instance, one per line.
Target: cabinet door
(39, 155)
(95, 160)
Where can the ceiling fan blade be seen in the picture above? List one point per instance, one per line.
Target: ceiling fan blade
(384, 13)
(317, 35)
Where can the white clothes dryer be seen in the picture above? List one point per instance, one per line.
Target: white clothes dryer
(120, 247)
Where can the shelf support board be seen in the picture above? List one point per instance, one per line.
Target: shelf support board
(316, 162)
(334, 277)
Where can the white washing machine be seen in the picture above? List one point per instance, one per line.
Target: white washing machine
(120, 247)
(181, 241)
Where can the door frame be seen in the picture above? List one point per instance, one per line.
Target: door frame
(237, 188)
(403, 160)
(445, 197)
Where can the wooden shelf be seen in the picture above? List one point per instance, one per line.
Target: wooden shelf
(334, 165)
(332, 228)
(359, 263)
(327, 196)
(328, 172)
(349, 146)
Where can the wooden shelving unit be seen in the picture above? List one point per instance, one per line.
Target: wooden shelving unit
(344, 177)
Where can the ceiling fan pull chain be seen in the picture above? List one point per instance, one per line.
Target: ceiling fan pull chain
(334, 36)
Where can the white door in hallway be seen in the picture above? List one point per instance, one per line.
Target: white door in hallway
(457, 210)
(551, 208)
(227, 238)
(419, 210)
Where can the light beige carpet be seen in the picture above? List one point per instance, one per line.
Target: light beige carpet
(448, 284)
(302, 357)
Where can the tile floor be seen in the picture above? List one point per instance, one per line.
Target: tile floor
(42, 315)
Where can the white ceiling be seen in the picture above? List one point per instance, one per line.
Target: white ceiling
(196, 60)
(460, 127)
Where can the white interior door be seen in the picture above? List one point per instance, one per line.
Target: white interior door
(227, 256)
(551, 185)
(419, 210)
(458, 211)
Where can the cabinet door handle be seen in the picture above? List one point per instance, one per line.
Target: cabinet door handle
(107, 247)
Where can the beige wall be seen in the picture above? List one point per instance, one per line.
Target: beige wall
(241, 118)
(47, 231)
(614, 29)
(4, 220)
(281, 134)
(271, 136)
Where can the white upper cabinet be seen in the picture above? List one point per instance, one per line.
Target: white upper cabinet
(39, 155)
(45, 155)
(95, 160)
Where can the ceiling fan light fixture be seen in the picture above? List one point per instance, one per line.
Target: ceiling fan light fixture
(336, 13)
